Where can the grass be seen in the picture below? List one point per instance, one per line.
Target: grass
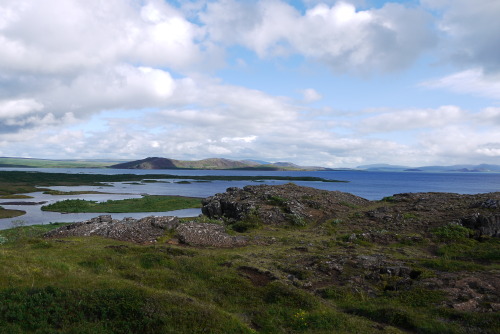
(15, 197)
(6, 213)
(163, 288)
(144, 204)
(149, 289)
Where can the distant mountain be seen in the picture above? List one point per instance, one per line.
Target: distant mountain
(481, 168)
(212, 163)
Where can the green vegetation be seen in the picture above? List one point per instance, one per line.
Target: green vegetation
(164, 288)
(44, 163)
(15, 197)
(6, 213)
(452, 232)
(144, 204)
(149, 289)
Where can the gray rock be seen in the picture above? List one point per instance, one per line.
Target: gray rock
(208, 235)
(144, 230)
(485, 225)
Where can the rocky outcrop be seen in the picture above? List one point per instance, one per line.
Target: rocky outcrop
(149, 229)
(206, 234)
(423, 212)
(485, 225)
(144, 230)
(279, 205)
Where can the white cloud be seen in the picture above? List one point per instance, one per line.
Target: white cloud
(413, 119)
(311, 95)
(366, 41)
(473, 81)
(470, 31)
(70, 36)
(17, 108)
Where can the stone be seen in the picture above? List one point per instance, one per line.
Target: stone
(485, 225)
(207, 235)
(145, 230)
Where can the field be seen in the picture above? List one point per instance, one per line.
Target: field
(97, 285)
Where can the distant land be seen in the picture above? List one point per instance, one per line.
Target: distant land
(481, 168)
(57, 163)
(227, 164)
(212, 163)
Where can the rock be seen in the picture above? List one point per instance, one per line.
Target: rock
(208, 235)
(490, 203)
(485, 225)
(144, 230)
(280, 205)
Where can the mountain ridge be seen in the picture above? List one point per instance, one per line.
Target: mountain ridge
(210, 163)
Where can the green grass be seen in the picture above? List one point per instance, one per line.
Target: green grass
(96, 285)
(6, 213)
(414, 310)
(144, 204)
(15, 197)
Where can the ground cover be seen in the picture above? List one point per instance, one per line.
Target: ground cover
(315, 262)
(6, 213)
(270, 286)
(144, 204)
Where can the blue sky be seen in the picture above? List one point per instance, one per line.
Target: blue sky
(330, 83)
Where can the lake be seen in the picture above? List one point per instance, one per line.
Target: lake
(370, 185)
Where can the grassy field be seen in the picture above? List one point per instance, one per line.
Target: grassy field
(144, 204)
(97, 285)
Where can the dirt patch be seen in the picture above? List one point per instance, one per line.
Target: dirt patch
(256, 276)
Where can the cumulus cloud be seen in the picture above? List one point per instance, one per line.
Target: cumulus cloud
(70, 36)
(470, 31)
(143, 70)
(340, 36)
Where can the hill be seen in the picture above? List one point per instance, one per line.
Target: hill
(212, 163)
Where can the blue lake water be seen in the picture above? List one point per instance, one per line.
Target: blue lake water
(370, 185)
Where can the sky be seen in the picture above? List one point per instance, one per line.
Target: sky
(326, 83)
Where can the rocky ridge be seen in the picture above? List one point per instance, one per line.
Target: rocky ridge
(280, 205)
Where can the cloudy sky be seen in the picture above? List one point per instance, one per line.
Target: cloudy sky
(330, 83)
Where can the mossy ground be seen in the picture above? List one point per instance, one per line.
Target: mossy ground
(7, 213)
(97, 285)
